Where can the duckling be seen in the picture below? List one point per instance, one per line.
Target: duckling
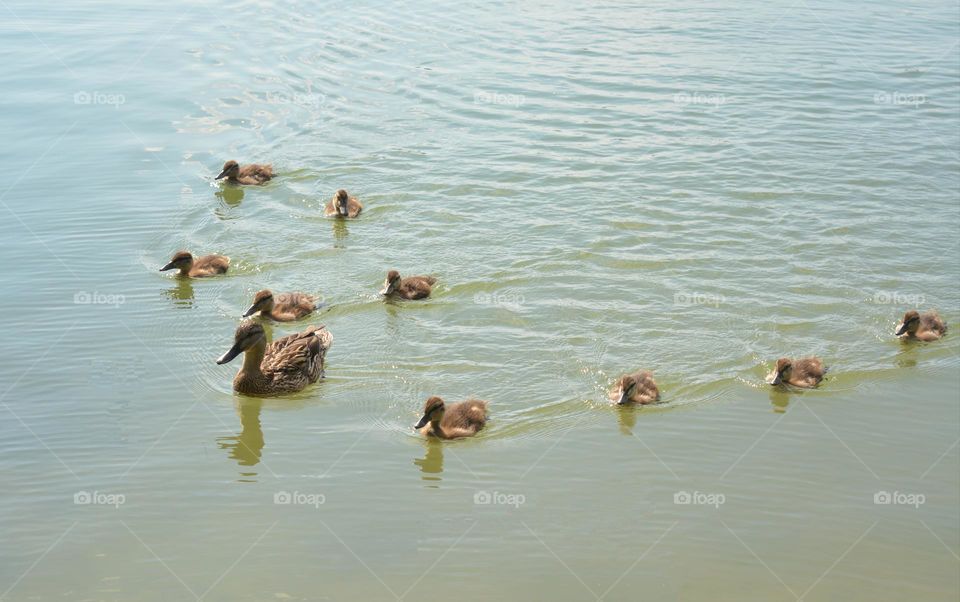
(924, 327)
(285, 307)
(635, 388)
(285, 366)
(463, 419)
(343, 205)
(200, 267)
(248, 174)
(806, 372)
(413, 287)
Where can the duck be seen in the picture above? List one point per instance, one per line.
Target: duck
(635, 388)
(199, 267)
(412, 287)
(343, 205)
(287, 365)
(285, 307)
(251, 174)
(463, 419)
(806, 372)
(923, 327)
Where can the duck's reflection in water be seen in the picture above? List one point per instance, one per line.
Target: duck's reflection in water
(779, 399)
(907, 356)
(340, 233)
(247, 447)
(431, 464)
(626, 417)
(182, 293)
(229, 195)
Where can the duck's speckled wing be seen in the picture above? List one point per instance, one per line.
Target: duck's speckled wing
(299, 354)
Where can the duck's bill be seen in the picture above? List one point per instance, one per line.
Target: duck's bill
(423, 422)
(385, 291)
(169, 266)
(624, 398)
(222, 175)
(902, 328)
(774, 378)
(253, 309)
(229, 355)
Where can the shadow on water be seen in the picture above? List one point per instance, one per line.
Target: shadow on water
(181, 293)
(431, 464)
(246, 447)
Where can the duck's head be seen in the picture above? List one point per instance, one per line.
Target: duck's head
(262, 301)
(248, 334)
(341, 201)
(181, 260)
(911, 320)
(230, 169)
(628, 385)
(433, 411)
(780, 372)
(391, 283)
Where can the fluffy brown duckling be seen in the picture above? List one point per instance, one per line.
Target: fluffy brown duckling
(462, 419)
(285, 366)
(251, 174)
(923, 327)
(285, 307)
(806, 372)
(412, 287)
(343, 205)
(635, 388)
(199, 267)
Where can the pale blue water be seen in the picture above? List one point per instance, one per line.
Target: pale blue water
(684, 187)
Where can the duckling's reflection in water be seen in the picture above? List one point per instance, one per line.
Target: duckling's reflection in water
(340, 233)
(231, 196)
(181, 293)
(906, 357)
(627, 417)
(247, 447)
(432, 461)
(779, 399)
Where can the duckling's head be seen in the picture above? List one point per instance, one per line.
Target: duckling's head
(911, 320)
(391, 283)
(780, 372)
(433, 411)
(340, 201)
(262, 301)
(230, 169)
(628, 385)
(181, 260)
(248, 334)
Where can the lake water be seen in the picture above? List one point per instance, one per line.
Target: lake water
(692, 188)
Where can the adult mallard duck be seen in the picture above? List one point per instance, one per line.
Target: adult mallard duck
(251, 174)
(285, 307)
(923, 327)
(199, 267)
(285, 366)
(635, 388)
(343, 205)
(806, 372)
(412, 287)
(462, 419)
